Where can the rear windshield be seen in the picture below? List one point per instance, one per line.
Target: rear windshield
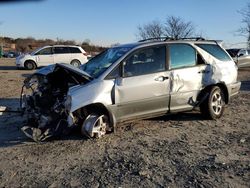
(215, 51)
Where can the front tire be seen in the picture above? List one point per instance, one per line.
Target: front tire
(29, 65)
(214, 105)
(95, 126)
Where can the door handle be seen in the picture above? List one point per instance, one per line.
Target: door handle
(203, 71)
(161, 78)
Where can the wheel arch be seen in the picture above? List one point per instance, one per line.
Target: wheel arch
(99, 108)
(221, 85)
(30, 60)
(75, 59)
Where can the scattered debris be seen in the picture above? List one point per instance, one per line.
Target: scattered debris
(243, 140)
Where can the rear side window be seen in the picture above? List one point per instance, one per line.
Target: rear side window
(182, 55)
(215, 51)
(61, 50)
(74, 50)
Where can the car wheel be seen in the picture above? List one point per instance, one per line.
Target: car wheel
(75, 63)
(214, 105)
(30, 65)
(95, 126)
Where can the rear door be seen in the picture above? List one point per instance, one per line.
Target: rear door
(44, 57)
(143, 90)
(188, 71)
(62, 54)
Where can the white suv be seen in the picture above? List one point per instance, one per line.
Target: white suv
(48, 55)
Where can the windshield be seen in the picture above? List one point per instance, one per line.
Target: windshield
(97, 65)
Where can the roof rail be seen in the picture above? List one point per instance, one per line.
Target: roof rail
(192, 38)
(157, 39)
(185, 38)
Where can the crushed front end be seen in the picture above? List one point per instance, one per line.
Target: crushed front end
(45, 102)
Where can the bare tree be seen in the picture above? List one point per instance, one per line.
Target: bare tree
(153, 29)
(245, 30)
(176, 27)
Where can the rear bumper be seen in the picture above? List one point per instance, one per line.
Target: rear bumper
(233, 89)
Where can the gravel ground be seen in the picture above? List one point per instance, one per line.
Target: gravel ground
(180, 150)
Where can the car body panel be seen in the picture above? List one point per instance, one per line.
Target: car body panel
(44, 60)
(186, 84)
(133, 98)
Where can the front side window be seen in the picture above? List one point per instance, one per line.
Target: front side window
(145, 61)
(61, 50)
(182, 55)
(216, 51)
(45, 51)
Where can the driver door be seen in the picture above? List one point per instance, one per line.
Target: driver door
(143, 90)
(45, 57)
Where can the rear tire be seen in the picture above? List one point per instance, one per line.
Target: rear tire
(29, 65)
(75, 63)
(214, 105)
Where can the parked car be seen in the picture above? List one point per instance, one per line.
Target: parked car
(242, 58)
(10, 54)
(48, 55)
(127, 82)
(233, 52)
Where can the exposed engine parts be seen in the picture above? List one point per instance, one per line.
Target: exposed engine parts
(45, 101)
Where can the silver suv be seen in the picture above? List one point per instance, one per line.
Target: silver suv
(127, 82)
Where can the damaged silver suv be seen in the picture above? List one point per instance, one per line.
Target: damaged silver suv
(134, 81)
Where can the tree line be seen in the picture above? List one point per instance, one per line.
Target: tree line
(28, 44)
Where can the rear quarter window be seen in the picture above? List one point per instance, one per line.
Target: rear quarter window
(216, 51)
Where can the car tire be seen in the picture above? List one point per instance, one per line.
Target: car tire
(214, 104)
(75, 63)
(29, 65)
(95, 125)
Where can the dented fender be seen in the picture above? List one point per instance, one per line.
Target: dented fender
(97, 91)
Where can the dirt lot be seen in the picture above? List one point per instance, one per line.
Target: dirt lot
(180, 150)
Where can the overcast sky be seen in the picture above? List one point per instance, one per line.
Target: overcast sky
(105, 22)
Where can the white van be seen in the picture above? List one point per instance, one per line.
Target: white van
(48, 55)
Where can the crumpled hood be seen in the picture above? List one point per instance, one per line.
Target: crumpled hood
(49, 69)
